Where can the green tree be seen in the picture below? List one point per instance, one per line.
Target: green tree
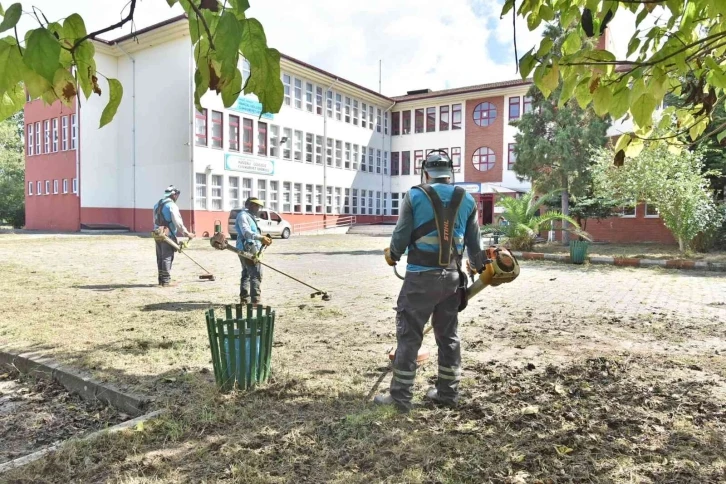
(12, 172)
(56, 61)
(688, 38)
(674, 182)
(524, 223)
(554, 140)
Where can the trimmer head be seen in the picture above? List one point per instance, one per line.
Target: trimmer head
(207, 277)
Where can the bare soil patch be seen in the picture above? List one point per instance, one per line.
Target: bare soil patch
(635, 251)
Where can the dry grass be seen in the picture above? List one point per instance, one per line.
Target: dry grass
(637, 251)
(603, 390)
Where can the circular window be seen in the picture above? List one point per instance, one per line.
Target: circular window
(484, 159)
(485, 114)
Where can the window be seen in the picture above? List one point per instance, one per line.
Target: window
(527, 104)
(287, 143)
(405, 163)
(355, 157)
(30, 188)
(363, 119)
(65, 185)
(385, 123)
(347, 109)
(318, 150)
(309, 97)
(511, 157)
(363, 159)
(395, 164)
(31, 141)
(354, 199)
(274, 141)
(329, 152)
(64, 133)
(651, 211)
(627, 211)
(370, 117)
(217, 130)
(338, 154)
(385, 162)
(274, 188)
(406, 123)
(75, 185)
(319, 100)
(39, 187)
(309, 141)
(318, 199)
(419, 113)
(286, 197)
(328, 199)
(514, 109)
(378, 119)
(201, 191)
(298, 93)
(55, 135)
(74, 131)
(338, 104)
(329, 103)
(430, 120)
(247, 146)
(370, 202)
(233, 132)
(456, 159)
(262, 191)
(346, 201)
(385, 204)
(456, 116)
(246, 188)
(484, 114)
(417, 160)
(483, 159)
(216, 192)
(46, 136)
(378, 161)
(38, 139)
(261, 138)
(286, 84)
(394, 204)
(297, 197)
(378, 203)
(298, 146)
(370, 160)
(355, 112)
(347, 156)
(363, 202)
(201, 127)
(338, 207)
(47, 187)
(444, 118)
(233, 192)
(395, 123)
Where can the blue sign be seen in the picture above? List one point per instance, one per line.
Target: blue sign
(249, 164)
(248, 106)
(469, 187)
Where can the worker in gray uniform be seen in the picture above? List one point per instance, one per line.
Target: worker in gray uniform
(436, 221)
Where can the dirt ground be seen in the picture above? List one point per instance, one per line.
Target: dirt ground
(570, 374)
(37, 413)
(636, 251)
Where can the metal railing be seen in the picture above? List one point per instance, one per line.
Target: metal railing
(324, 224)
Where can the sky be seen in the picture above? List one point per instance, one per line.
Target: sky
(421, 43)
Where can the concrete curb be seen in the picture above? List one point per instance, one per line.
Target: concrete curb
(629, 262)
(41, 366)
(27, 459)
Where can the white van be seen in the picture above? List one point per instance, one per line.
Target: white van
(268, 221)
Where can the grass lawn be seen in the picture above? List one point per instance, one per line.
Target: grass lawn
(570, 374)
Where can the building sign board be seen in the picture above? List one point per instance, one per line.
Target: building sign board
(249, 164)
(248, 106)
(469, 187)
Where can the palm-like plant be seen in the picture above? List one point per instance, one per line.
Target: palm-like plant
(523, 222)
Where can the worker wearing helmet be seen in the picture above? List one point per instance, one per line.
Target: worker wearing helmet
(168, 218)
(436, 221)
(250, 240)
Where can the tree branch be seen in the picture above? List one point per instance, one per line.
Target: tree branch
(115, 26)
(201, 18)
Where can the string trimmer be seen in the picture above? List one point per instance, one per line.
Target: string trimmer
(159, 234)
(219, 242)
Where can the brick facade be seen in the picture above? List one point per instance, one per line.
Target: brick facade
(491, 136)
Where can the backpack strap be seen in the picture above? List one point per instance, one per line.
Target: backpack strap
(159, 215)
(443, 223)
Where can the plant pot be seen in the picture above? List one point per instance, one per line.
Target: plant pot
(578, 251)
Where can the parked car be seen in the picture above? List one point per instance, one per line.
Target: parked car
(268, 221)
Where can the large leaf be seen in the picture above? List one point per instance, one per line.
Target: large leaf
(602, 98)
(239, 7)
(227, 40)
(12, 101)
(115, 93)
(642, 110)
(527, 63)
(620, 103)
(264, 80)
(11, 65)
(64, 86)
(86, 66)
(42, 53)
(232, 90)
(74, 28)
(12, 15)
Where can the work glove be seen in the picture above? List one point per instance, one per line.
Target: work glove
(387, 255)
(266, 240)
(183, 245)
(191, 236)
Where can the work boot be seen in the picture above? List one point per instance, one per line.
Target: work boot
(169, 284)
(388, 400)
(243, 301)
(433, 395)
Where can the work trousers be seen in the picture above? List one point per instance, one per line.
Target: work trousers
(423, 295)
(251, 282)
(164, 260)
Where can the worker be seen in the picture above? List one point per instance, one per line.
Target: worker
(168, 218)
(436, 221)
(250, 240)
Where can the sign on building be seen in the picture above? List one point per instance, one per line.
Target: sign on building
(248, 106)
(249, 165)
(470, 187)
